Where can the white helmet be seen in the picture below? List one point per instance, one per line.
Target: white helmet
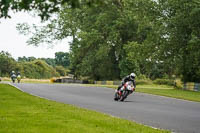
(132, 76)
(13, 71)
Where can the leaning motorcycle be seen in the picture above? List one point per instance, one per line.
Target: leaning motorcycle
(124, 91)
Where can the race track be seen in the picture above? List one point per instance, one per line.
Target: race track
(178, 116)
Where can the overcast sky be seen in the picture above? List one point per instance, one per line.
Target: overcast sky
(14, 43)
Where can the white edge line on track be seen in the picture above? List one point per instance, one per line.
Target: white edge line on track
(89, 109)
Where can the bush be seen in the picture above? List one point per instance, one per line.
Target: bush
(143, 82)
(38, 69)
(164, 82)
(91, 81)
(178, 84)
(61, 70)
(142, 77)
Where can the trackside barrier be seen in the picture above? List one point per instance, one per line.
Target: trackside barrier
(66, 80)
(97, 82)
(197, 86)
(108, 82)
(192, 86)
(71, 80)
(103, 82)
(117, 82)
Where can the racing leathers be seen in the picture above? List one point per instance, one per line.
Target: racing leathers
(126, 79)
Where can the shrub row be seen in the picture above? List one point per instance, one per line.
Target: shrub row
(143, 82)
(164, 82)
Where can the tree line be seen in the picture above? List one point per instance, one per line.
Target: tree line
(153, 38)
(31, 67)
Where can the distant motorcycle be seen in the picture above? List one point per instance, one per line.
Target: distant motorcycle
(124, 91)
(13, 78)
(18, 78)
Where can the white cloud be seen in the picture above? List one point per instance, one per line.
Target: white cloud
(14, 43)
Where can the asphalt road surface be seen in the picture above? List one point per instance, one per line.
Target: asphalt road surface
(178, 116)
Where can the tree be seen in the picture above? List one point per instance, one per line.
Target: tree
(93, 53)
(38, 69)
(49, 61)
(61, 70)
(180, 21)
(172, 43)
(7, 63)
(25, 59)
(62, 58)
(44, 8)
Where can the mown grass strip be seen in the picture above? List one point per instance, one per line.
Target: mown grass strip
(26, 80)
(23, 113)
(174, 93)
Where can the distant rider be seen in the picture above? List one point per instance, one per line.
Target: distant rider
(13, 76)
(18, 77)
(131, 78)
(18, 73)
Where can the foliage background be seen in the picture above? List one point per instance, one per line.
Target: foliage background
(112, 38)
(30, 67)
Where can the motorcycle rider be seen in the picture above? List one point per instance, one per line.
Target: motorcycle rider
(131, 78)
(13, 76)
(18, 76)
(18, 73)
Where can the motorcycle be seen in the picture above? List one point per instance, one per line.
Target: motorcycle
(124, 91)
(13, 78)
(18, 78)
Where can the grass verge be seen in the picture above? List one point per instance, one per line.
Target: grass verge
(23, 113)
(35, 81)
(164, 90)
(26, 80)
(175, 93)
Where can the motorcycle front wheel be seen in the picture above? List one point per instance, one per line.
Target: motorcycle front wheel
(116, 97)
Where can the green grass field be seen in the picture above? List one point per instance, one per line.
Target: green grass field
(169, 92)
(23, 113)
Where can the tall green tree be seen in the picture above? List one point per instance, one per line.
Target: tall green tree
(62, 59)
(49, 61)
(7, 63)
(180, 36)
(43, 8)
(24, 59)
